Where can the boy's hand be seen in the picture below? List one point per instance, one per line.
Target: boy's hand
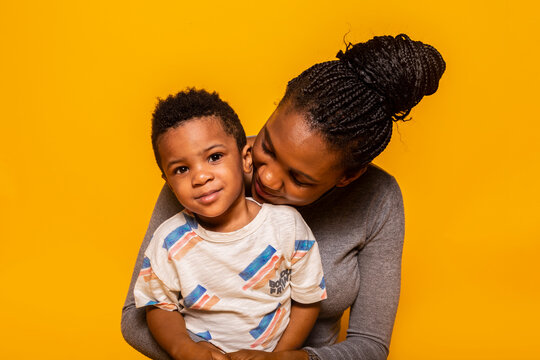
(169, 330)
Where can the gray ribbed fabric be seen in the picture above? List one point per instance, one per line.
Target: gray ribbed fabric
(359, 229)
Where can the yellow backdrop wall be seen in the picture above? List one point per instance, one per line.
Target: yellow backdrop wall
(79, 81)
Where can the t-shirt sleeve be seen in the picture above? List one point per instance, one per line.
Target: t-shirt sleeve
(307, 278)
(158, 282)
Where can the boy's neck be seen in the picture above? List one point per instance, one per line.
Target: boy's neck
(236, 217)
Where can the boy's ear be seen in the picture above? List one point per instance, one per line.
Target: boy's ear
(247, 161)
(166, 182)
(347, 179)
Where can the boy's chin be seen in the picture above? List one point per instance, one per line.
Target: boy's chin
(209, 216)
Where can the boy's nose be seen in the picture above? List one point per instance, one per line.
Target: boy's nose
(201, 177)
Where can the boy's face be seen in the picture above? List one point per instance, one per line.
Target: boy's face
(204, 168)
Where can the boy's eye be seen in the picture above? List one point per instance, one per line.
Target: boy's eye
(215, 157)
(181, 170)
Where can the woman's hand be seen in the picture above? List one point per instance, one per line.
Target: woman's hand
(215, 352)
(252, 355)
(201, 351)
(262, 355)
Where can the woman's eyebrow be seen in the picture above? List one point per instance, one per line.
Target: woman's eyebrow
(268, 138)
(291, 170)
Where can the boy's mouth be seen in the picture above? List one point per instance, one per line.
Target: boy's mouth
(208, 197)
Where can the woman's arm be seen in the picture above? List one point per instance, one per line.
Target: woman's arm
(134, 327)
(373, 312)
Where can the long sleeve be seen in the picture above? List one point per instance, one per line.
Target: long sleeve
(133, 325)
(360, 231)
(378, 260)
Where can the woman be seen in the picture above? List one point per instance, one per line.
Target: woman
(314, 152)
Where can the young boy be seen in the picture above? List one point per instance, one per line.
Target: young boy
(225, 268)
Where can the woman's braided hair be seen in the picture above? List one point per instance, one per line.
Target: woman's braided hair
(354, 101)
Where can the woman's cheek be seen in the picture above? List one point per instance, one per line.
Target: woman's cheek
(297, 197)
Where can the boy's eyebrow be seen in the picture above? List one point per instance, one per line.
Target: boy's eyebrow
(176, 161)
(211, 147)
(292, 170)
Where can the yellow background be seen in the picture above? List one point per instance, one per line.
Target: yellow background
(79, 81)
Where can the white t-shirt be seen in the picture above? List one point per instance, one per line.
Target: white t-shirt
(233, 289)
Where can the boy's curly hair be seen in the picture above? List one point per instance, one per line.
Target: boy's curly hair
(191, 103)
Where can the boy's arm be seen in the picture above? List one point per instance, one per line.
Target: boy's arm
(169, 330)
(302, 319)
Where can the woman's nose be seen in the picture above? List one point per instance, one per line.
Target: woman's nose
(269, 178)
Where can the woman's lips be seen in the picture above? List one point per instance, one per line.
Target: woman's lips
(261, 192)
(208, 197)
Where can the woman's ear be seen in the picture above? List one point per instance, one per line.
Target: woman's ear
(346, 179)
(247, 161)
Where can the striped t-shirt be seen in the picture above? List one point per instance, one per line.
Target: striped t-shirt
(233, 289)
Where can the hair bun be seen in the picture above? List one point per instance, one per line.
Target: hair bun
(398, 69)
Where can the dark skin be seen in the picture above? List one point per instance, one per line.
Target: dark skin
(186, 148)
(284, 173)
(297, 325)
(169, 330)
(293, 164)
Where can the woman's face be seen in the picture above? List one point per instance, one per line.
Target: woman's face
(292, 163)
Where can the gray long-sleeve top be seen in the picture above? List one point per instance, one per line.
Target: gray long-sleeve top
(359, 229)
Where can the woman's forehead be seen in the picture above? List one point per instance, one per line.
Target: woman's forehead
(301, 147)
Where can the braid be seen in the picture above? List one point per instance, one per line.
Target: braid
(354, 101)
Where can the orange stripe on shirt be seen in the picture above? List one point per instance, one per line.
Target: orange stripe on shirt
(150, 276)
(323, 296)
(268, 330)
(192, 242)
(213, 301)
(180, 244)
(146, 271)
(263, 272)
(268, 276)
(276, 328)
(166, 306)
(201, 302)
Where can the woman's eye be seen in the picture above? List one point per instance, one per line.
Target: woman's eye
(215, 157)
(266, 150)
(181, 170)
(298, 182)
